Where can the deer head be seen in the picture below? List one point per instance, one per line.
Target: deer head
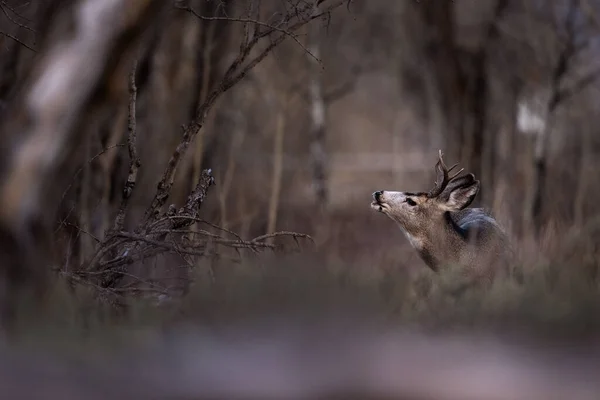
(419, 212)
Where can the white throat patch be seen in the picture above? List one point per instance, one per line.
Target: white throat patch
(414, 241)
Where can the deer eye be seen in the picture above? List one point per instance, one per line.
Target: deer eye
(411, 202)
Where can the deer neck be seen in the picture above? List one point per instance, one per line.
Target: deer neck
(415, 240)
(438, 244)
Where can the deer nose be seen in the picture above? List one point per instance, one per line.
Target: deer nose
(377, 195)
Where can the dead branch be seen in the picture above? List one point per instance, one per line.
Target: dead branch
(134, 160)
(256, 23)
(282, 233)
(564, 94)
(219, 228)
(80, 169)
(237, 70)
(166, 234)
(167, 231)
(125, 248)
(338, 92)
(5, 8)
(19, 41)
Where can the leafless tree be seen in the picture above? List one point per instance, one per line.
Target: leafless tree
(53, 123)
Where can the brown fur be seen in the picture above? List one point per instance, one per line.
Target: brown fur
(444, 231)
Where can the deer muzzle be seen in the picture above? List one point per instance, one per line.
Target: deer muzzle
(378, 203)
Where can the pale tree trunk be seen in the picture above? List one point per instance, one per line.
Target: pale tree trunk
(206, 73)
(318, 152)
(197, 155)
(542, 144)
(72, 81)
(277, 165)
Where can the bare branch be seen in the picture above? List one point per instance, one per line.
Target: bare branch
(4, 7)
(12, 9)
(339, 92)
(83, 231)
(134, 160)
(246, 38)
(280, 234)
(126, 251)
(565, 94)
(236, 72)
(89, 162)
(8, 35)
(246, 21)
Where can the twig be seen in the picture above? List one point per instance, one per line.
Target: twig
(227, 242)
(124, 243)
(83, 231)
(220, 228)
(247, 21)
(61, 223)
(282, 233)
(578, 86)
(16, 39)
(86, 282)
(339, 92)
(12, 9)
(104, 248)
(3, 7)
(89, 162)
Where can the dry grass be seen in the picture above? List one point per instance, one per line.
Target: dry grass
(357, 271)
(323, 304)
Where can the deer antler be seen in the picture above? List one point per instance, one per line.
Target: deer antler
(443, 178)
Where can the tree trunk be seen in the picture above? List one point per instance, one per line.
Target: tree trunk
(277, 165)
(504, 143)
(539, 186)
(540, 152)
(475, 99)
(462, 80)
(51, 132)
(584, 176)
(318, 152)
(446, 70)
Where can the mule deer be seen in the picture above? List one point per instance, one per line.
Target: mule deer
(443, 230)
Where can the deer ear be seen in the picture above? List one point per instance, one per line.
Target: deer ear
(460, 195)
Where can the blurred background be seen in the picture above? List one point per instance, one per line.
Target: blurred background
(300, 109)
